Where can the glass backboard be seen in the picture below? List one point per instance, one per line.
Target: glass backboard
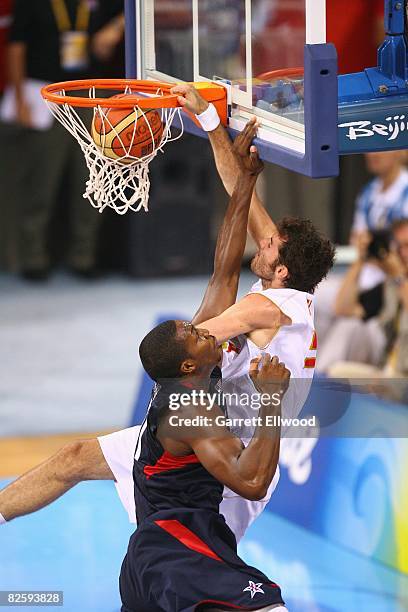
(256, 48)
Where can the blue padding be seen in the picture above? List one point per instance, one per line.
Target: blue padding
(378, 124)
(146, 385)
(321, 157)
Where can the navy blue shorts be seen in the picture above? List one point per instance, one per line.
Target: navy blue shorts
(186, 561)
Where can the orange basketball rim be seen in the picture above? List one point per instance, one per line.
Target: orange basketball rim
(132, 121)
(157, 94)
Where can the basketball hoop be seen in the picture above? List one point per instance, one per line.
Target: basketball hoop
(286, 93)
(282, 73)
(125, 133)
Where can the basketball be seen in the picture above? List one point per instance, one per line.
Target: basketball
(126, 132)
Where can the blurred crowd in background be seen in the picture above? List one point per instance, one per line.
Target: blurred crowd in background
(46, 224)
(48, 41)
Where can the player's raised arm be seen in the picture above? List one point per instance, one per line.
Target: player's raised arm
(75, 462)
(246, 471)
(223, 286)
(260, 224)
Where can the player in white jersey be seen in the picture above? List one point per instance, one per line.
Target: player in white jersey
(296, 347)
(276, 315)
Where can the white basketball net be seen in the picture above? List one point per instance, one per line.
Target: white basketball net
(122, 184)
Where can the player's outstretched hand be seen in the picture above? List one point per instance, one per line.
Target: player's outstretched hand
(269, 375)
(189, 98)
(245, 151)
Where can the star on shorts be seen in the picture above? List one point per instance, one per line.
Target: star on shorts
(254, 588)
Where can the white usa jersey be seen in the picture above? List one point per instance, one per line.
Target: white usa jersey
(295, 345)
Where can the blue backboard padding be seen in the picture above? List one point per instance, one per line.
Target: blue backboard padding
(375, 123)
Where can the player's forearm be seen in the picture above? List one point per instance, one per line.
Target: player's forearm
(40, 486)
(260, 224)
(225, 159)
(232, 235)
(17, 66)
(258, 462)
(222, 289)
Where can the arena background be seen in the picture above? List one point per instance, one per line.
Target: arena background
(335, 533)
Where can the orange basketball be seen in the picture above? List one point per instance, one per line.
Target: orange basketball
(117, 132)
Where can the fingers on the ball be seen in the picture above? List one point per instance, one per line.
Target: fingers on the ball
(275, 360)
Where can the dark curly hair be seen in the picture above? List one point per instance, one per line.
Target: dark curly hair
(306, 253)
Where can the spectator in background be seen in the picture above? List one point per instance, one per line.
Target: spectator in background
(356, 334)
(393, 318)
(385, 198)
(380, 203)
(5, 20)
(50, 41)
(108, 44)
